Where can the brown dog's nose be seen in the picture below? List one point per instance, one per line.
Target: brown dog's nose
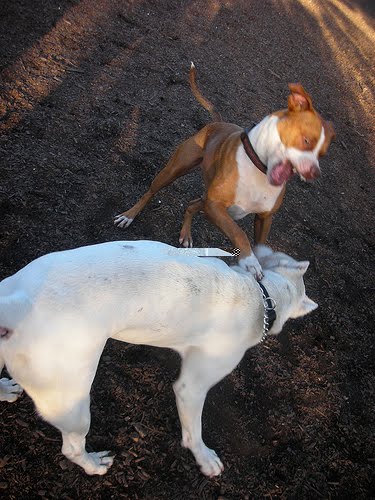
(314, 171)
(309, 170)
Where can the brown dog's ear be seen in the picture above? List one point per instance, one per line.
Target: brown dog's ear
(330, 135)
(299, 99)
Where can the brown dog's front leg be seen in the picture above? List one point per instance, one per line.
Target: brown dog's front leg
(262, 222)
(218, 214)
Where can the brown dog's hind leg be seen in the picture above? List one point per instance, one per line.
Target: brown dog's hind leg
(186, 239)
(186, 158)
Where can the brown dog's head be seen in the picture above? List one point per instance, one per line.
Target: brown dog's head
(304, 138)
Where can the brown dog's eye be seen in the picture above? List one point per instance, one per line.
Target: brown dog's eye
(306, 141)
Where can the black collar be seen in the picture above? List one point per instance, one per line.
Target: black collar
(251, 152)
(269, 310)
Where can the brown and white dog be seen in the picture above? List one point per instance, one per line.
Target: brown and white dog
(245, 172)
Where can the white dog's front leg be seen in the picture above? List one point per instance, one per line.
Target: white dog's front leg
(190, 406)
(9, 390)
(199, 372)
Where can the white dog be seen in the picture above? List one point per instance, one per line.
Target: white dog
(57, 313)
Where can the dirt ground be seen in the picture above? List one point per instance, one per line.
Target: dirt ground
(94, 98)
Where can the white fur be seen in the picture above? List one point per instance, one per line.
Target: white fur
(266, 141)
(61, 309)
(254, 193)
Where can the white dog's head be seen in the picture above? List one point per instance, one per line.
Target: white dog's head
(292, 270)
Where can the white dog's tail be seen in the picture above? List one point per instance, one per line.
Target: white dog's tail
(13, 309)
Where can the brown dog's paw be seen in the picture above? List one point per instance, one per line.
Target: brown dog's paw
(186, 239)
(122, 221)
(251, 265)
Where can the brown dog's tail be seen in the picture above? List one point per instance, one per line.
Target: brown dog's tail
(216, 117)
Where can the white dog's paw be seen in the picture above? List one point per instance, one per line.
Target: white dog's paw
(99, 463)
(209, 462)
(251, 265)
(9, 390)
(122, 221)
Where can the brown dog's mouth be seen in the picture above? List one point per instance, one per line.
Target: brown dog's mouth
(281, 172)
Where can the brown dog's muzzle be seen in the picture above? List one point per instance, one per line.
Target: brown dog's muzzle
(309, 171)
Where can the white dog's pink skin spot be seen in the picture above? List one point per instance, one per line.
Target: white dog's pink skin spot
(5, 332)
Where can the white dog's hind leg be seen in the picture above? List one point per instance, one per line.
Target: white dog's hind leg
(73, 422)
(199, 372)
(9, 389)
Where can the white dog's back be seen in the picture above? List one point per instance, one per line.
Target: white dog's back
(118, 289)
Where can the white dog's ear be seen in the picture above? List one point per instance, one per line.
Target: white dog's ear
(293, 265)
(309, 305)
(305, 307)
(301, 266)
(262, 251)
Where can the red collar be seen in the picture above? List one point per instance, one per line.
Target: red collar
(251, 152)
